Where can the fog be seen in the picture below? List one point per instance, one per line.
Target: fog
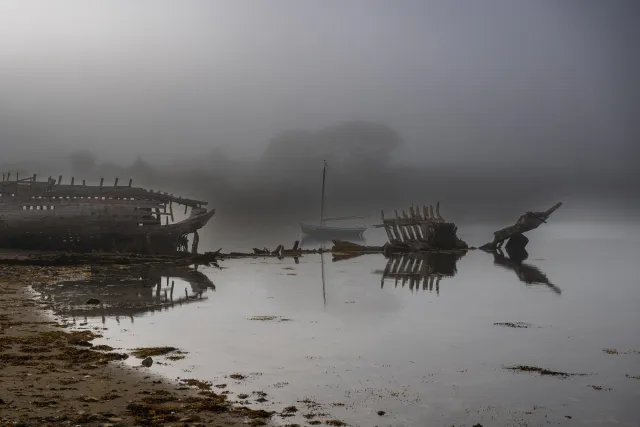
(498, 103)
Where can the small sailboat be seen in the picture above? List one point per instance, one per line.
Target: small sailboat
(324, 232)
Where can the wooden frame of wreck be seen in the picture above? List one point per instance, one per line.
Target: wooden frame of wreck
(50, 215)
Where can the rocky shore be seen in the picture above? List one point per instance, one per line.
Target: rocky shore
(52, 375)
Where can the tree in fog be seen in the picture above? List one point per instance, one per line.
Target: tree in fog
(350, 145)
(82, 162)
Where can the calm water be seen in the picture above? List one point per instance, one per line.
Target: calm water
(425, 353)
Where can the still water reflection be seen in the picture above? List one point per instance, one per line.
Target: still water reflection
(414, 336)
(416, 269)
(127, 291)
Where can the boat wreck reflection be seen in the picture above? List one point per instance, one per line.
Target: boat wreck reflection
(420, 270)
(126, 292)
(527, 273)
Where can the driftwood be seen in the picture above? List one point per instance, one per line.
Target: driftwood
(341, 246)
(344, 250)
(278, 252)
(526, 222)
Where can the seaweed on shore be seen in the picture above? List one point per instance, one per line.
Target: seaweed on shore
(269, 318)
(600, 388)
(616, 351)
(202, 385)
(541, 371)
(144, 352)
(513, 324)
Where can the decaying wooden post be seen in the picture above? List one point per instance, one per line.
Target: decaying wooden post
(526, 222)
(196, 241)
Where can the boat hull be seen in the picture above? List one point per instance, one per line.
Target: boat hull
(322, 232)
(84, 218)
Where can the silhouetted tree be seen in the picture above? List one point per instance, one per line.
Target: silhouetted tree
(351, 144)
(82, 162)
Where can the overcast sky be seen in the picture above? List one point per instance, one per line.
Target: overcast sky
(486, 82)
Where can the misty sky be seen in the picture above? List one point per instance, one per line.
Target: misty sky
(547, 81)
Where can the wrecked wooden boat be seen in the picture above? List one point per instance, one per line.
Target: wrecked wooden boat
(514, 233)
(420, 231)
(47, 215)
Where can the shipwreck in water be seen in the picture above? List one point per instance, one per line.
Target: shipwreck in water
(48, 215)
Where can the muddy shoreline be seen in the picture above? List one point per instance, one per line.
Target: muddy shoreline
(52, 375)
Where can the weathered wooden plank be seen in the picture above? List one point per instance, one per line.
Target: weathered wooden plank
(43, 189)
(526, 222)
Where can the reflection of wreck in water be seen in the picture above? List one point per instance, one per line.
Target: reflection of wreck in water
(420, 270)
(127, 292)
(527, 273)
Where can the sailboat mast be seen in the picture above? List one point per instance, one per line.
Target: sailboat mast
(324, 176)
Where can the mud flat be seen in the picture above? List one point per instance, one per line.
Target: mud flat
(54, 376)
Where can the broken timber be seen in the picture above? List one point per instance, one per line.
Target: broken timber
(420, 231)
(527, 222)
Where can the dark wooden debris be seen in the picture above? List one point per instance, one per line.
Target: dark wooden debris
(418, 231)
(527, 222)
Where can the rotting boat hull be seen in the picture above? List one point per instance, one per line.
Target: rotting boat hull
(37, 215)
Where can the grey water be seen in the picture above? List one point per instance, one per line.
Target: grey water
(342, 340)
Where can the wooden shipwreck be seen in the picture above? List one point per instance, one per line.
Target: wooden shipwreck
(514, 233)
(420, 231)
(48, 215)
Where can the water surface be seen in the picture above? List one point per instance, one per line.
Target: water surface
(422, 347)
